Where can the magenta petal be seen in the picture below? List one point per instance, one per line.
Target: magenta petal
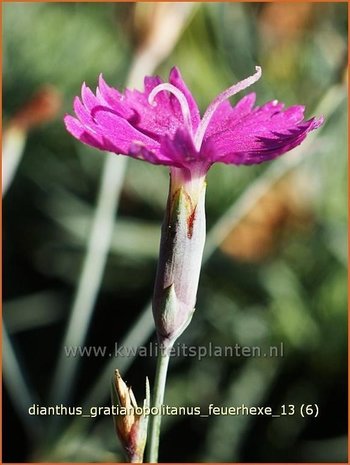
(141, 152)
(150, 82)
(112, 99)
(226, 115)
(110, 95)
(272, 106)
(267, 147)
(262, 134)
(80, 132)
(243, 107)
(89, 99)
(153, 121)
(176, 80)
(180, 149)
(166, 116)
(82, 113)
(294, 114)
(120, 132)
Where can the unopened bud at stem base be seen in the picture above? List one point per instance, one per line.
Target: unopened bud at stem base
(131, 428)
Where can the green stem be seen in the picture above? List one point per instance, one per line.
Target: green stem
(159, 388)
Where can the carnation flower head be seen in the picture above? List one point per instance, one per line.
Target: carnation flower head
(163, 125)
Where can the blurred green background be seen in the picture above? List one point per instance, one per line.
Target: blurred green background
(279, 276)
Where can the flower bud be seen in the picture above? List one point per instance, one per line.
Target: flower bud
(180, 257)
(131, 427)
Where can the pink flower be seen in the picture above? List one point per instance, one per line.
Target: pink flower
(162, 125)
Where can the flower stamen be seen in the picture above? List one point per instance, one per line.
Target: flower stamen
(198, 139)
(185, 109)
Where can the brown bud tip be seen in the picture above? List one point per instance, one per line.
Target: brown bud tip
(130, 426)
